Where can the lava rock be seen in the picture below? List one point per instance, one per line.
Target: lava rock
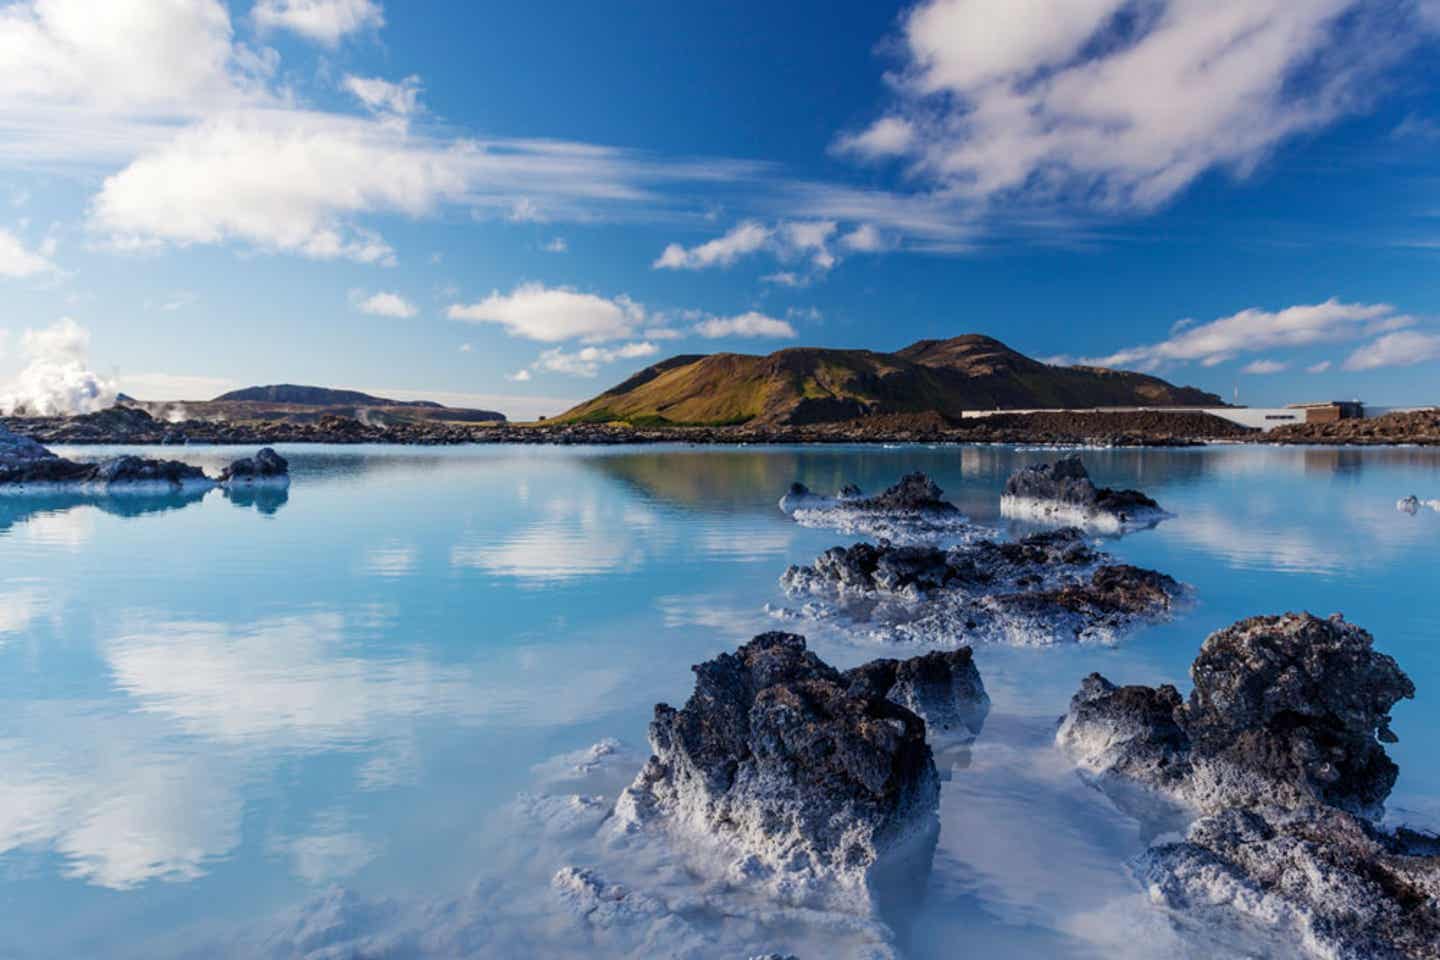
(1331, 881)
(810, 782)
(1279, 747)
(1045, 587)
(943, 688)
(1063, 491)
(267, 467)
(25, 465)
(1286, 711)
(914, 493)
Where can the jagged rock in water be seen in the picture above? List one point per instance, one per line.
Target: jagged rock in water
(943, 688)
(1342, 887)
(913, 510)
(26, 465)
(1043, 588)
(914, 493)
(1279, 747)
(809, 784)
(266, 467)
(1286, 711)
(1062, 492)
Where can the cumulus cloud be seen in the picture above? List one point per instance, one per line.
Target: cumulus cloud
(552, 314)
(1118, 103)
(1320, 367)
(382, 96)
(1255, 330)
(586, 362)
(809, 240)
(386, 304)
(324, 21)
(519, 376)
(1262, 367)
(57, 378)
(17, 261)
(1401, 349)
(748, 324)
(742, 239)
(556, 245)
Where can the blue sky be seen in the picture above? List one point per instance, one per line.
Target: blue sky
(517, 205)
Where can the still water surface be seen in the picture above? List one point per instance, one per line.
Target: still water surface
(217, 711)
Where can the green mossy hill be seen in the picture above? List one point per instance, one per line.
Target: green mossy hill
(805, 385)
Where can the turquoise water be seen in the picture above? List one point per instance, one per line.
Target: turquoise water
(216, 711)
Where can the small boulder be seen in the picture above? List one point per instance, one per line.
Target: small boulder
(1063, 492)
(266, 467)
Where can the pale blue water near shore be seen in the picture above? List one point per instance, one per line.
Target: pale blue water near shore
(217, 711)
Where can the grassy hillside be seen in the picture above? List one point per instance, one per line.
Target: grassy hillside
(813, 385)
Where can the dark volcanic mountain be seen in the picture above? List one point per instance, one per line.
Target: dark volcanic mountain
(813, 385)
(315, 397)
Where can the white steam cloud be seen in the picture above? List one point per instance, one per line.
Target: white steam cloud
(57, 378)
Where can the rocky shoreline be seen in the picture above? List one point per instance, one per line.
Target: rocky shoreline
(130, 425)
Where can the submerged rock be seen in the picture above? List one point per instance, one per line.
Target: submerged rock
(1279, 747)
(943, 688)
(1286, 711)
(1043, 588)
(266, 467)
(1063, 492)
(809, 781)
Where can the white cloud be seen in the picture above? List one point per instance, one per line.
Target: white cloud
(557, 245)
(1320, 367)
(863, 239)
(788, 240)
(519, 376)
(1263, 367)
(1116, 103)
(1254, 330)
(387, 304)
(382, 96)
(57, 378)
(742, 239)
(586, 362)
(786, 278)
(663, 333)
(886, 137)
(749, 324)
(553, 314)
(16, 261)
(1403, 349)
(466, 347)
(324, 21)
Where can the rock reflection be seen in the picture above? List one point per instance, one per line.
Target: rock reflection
(266, 500)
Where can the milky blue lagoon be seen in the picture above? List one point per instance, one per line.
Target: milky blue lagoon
(281, 723)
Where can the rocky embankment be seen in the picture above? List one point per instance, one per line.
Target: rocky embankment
(1279, 749)
(1063, 492)
(121, 425)
(28, 467)
(806, 780)
(1045, 588)
(1418, 427)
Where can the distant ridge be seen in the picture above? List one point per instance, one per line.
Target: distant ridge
(804, 385)
(314, 397)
